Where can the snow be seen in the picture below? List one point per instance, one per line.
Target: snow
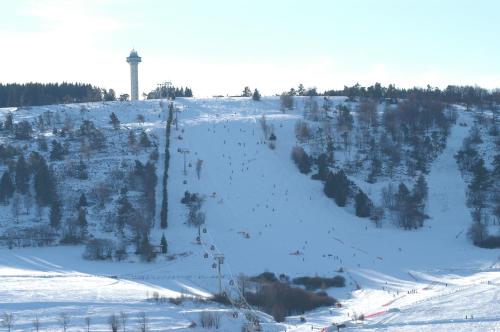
(252, 189)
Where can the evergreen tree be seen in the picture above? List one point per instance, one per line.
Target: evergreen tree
(109, 95)
(113, 119)
(9, 122)
(337, 187)
(496, 166)
(329, 188)
(363, 205)
(403, 198)
(341, 188)
(55, 214)
(57, 152)
(132, 141)
(322, 163)
(42, 143)
(22, 177)
(144, 140)
(301, 90)
(479, 185)
(7, 187)
(44, 183)
(420, 190)
(23, 130)
(82, 201)
(163, 214)
(247, 92)
(256, 95)
(477, 233)
(150, 179)
(163, 244)
(145, 249)
(481, 179)
(125, 209)
(81, 221)
(188, 92)
(81, 171)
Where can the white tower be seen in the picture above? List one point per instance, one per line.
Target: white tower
(134, 60)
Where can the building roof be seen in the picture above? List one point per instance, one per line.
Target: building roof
(133, 57)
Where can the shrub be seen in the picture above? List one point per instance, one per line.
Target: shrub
(313, 283)
(490, 242)
(265, 277)
(280, 300)
(209, 320)
(286, 101)
(302, 131)
(23, 130)
(301, 159)
(189, 198)
(337, 186)
(363, 205)
(99, 249)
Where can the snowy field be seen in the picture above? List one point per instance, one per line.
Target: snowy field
(260, 211)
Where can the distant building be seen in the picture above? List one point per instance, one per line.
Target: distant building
(134, 60)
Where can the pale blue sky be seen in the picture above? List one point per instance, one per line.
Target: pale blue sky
(219, 46)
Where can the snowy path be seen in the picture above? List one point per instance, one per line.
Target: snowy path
(447, 195)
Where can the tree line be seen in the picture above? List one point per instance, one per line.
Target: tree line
(468, 95)
(171, 92)
(36, 94)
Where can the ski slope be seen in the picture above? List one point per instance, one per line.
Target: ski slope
(260, 211)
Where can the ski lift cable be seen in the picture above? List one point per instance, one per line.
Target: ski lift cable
(232, 277)
(236, 308)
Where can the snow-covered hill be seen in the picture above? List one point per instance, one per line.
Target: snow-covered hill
(262, 215)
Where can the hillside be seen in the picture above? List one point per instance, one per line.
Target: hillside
(261, 213)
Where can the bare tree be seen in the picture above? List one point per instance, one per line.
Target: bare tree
(302, 131)
(87, 323)
(36, 324)
(102, 194)
(209, 320)
(15, 207)
(376, 215)
(286, 102)
(114, 322)
(140, 118)
(64, 321)
(264, 126)
(8, 321)
(39, 212)
(123, 318)
(28, 202)
(143, 321)
(199, 164)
